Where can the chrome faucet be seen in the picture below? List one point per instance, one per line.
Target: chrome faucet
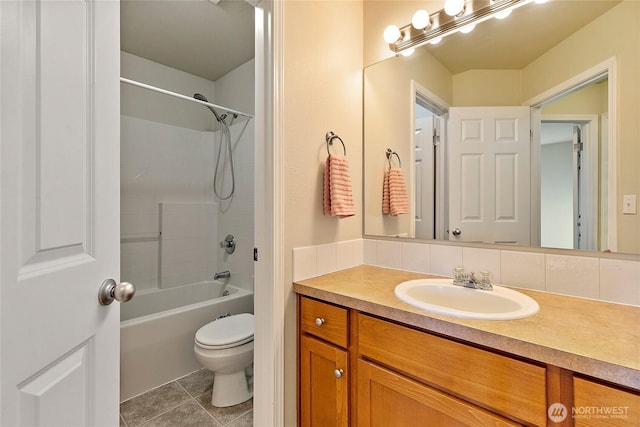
(469, 280)
(222, 275)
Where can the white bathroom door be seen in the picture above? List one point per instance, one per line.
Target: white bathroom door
(424, 178)
(489, 174)
(59, 212)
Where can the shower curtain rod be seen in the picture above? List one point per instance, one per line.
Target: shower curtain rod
(186, 98)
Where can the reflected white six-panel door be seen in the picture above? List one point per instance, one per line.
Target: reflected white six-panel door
(490, 174)
(59, 212)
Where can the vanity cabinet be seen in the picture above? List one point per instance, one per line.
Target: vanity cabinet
(597, 405)
(323, 364)
(447, 378)
(357, 369)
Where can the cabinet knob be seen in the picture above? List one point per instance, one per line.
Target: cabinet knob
(319, 321)
(338, 373)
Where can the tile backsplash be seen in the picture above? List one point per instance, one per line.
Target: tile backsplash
(589, 277)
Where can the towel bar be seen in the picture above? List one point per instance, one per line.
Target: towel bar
(390, 153)
(330, 137)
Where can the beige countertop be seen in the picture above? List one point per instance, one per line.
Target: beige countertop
(594, 338)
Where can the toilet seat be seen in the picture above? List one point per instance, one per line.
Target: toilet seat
(226, 332)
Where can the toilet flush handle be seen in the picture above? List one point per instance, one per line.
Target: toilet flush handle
(121, 292)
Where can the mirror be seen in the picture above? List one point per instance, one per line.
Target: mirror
(572, 65)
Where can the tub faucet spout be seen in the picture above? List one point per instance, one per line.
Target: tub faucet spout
(222, 275)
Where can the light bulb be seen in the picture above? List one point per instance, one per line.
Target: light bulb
(420, 19)
(453, 7)
(408, 52)
(467, 28)
(503, 14)
(436, 40)
(391, 34)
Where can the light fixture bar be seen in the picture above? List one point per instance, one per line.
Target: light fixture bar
(443, 25)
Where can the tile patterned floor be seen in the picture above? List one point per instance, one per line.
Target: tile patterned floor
(185, 402)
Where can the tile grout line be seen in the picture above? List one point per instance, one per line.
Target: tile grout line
(239, 416)
(165, 412)
(197, 400)
(188, 398)
(145, 392)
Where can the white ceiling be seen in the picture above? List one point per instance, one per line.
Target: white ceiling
(209, 40)
(195, 36)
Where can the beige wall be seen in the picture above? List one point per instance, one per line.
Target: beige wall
(487, 87)
(588, 100)
(615, 34)
(387, 124)
(322, 92)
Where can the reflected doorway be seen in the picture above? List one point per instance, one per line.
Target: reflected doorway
(427, 200)
(565, 195)
(574, 168)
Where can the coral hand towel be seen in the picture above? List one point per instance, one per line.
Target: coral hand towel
(394, 193)
(338, 194)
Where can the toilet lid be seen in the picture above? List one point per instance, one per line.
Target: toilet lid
(227, 330)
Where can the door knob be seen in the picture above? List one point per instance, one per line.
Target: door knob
(338, 373)
(121, 292)
(456, 232)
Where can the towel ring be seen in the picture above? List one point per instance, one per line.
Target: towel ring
(390, 153)
(330, 137)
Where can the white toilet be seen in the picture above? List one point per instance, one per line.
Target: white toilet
(225, 347)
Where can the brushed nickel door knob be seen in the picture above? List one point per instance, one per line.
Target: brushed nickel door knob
(110, 291)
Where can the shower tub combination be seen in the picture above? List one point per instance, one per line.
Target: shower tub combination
(158, 328)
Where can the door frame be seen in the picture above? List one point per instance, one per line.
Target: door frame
(608, 68)
(441, 108)
(269, 216)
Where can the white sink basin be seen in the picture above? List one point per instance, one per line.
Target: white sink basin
(443, 297)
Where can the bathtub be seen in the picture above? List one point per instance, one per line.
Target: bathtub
(158, 328)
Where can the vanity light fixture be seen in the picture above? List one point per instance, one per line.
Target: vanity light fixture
(408, 52)
(421, 20)
(503, 14)
(467, 28)
(457, 15)
(392, 34)
(454, 7)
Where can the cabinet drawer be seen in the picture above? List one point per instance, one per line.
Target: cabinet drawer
(325, 321)
(388, 399)
(509, 386)
(600, 405)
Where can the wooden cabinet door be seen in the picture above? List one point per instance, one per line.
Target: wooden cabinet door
(386, 399)
(324, 380)
(598, 405)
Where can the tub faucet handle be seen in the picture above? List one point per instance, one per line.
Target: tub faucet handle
(229, 244)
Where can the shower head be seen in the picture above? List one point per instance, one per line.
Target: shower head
(201, 97)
